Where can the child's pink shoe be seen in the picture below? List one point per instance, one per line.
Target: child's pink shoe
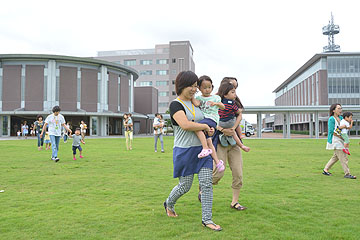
(204, 153)
(81, 156)
(220, 166)
(346, 150)
(74, 158)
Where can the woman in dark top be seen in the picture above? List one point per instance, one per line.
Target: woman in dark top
(38, 125)
(184, 117)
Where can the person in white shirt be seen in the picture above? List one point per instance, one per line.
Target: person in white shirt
(345, 125)
(54, 122)
(83, 127)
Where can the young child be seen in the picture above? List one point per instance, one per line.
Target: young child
(25, 129)
(18, 134)
(209, 105)
(130, 121)
(83, 128)
(230, 117)
(47, 141)
(345, 125)
(77, 139)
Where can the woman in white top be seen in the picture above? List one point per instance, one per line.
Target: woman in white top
(336, 143)
(158, 131)
(54, 122)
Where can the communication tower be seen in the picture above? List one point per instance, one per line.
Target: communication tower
(330, 30)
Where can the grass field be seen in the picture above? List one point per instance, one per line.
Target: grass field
(117, 194)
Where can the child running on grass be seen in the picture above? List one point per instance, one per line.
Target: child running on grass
(77, 139)
(230, 116)
(47, 140)
(345, 125)
(209, 105)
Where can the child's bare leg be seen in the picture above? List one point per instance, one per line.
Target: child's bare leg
(239, 132)
(213, 154)
(240, 144)
(202, 138)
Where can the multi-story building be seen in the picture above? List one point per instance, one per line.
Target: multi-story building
(88, 89)
(157, 67)
(325, 79)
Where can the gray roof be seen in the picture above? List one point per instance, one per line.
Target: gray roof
(309, 63)
(37, 57)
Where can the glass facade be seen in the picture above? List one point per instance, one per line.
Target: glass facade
(163, 94)
(344, 79)
(162, 61)
(145, 62)
(145, 72)
(146, 83)
(162, 83)
(130, 62)
(162, 72)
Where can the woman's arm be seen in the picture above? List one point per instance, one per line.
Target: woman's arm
(44, 127)
(187, 125)
(67, 129)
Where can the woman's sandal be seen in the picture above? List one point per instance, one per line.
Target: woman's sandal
(204, 153)
(166, 210)
(211, 223)
(326, 173)
(349, 176)
(238, 207)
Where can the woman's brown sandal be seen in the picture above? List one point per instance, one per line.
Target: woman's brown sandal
(166, 210)
(238, 207)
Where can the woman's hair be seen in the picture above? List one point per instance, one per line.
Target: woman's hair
(333, 107)
(39, 116)
(237, 100)
(56, 109)
(205, 78)
(183, 80)
(224, 89)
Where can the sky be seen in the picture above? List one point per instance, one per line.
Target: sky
(261, 43)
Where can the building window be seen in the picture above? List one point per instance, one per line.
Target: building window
(145, 62)
(173, 81)
(146, 72)
(162, 61)
(162, 83)
(173, 93)
(162, 72)
(163, 104)
(173, 60)
(130, 62)
(163, 94)
(145, 83)
(173, 71)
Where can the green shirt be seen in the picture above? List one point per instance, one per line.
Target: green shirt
(209, 111)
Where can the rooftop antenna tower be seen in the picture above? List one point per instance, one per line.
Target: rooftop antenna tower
(330, 30)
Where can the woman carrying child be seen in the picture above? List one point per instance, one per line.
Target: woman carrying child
(185, 118)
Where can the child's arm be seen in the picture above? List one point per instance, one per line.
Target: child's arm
(195, 102)
(351, 125)
(342, 126)
(82, 141)
(68, 129)
(219, 104)
(238, 119)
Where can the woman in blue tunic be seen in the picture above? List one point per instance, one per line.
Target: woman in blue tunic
(184, 117)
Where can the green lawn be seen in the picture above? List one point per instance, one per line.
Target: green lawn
(117, 194)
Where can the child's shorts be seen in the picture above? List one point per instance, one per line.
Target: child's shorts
(76, 147)
(211, 123)
(47, 141)
(345, 137)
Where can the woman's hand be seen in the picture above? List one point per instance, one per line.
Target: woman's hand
(228, 132)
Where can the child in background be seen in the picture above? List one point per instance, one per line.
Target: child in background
(77, 139)
(230, 117)
(345, 125)
(18, 134)
(47, 141)
(25, 130)
(209, 106)
(130, 121)
(83, 128)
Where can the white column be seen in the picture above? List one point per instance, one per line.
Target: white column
(288, 131)
(131, 94)
(103, 89)
(22, 87)
(285, 120)
(259, 125)
(311, 129)
(1, 86)
(119, 93)
(78, 93)
(316, 125)
(51, 86)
